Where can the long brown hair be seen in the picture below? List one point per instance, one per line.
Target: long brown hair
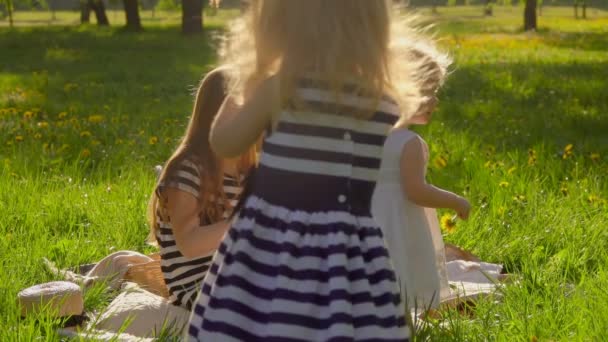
(195, 147)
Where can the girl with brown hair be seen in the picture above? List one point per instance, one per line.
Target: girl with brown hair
(195, 194)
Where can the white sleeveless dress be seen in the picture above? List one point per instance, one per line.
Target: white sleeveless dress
(411, 232)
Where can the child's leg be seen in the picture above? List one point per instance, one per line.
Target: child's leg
(113, 267)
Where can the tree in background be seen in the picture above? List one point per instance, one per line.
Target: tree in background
(192, 16)
(98, 7)
(488, 9)
(9, 10)
(51, 7)
(530, 15)
(132, 15)
(583, 5)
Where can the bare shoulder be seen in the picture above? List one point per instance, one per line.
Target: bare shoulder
(415, 149)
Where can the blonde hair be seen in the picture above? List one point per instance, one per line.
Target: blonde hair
(341, 40)
(195, 147)
(432, 66)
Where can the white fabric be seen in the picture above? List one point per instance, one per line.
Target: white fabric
(110, 269)
(145, 314)
(411, 232)
(135, 315)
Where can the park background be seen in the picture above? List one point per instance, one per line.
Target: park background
(87, 110)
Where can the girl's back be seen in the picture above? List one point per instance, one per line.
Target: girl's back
(411, 231)
(304, 259)
(324, 155)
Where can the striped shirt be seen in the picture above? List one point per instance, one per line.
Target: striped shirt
(183, 275)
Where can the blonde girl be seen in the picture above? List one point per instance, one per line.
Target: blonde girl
(304, 260)
(195, 193)
(404, 203)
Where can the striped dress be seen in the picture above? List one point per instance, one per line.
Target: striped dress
(304, 260)
(182, 275)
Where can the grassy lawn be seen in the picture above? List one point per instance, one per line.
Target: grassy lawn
(86, 112)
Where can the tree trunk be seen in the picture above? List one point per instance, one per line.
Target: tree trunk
(100, 12)
(52, 9)
(132, 15)
(85, 12)
(192, 16)
(576, 9)
(488, 10)
(584, 9)
(9, 9)
(530, 15)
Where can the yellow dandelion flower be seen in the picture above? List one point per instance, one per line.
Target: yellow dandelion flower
(43, 124)
(62, 115)
(97, 118)
(519, 198)
(511, 170)
(19, 138)
(63, 147)
(85, 153)
(448, 223)
(28, 115)
(503, 184)
(440, 162)
(85, 134)
(38, 136)
(488, 164)
(568, 151)
(153, 140)
(502, 210)
(531, 157)
(595, 157)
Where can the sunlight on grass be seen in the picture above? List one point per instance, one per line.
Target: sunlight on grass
(85, 114)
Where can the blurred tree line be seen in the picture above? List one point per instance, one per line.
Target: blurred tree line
(192, 9)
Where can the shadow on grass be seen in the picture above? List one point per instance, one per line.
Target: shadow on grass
(588, 41)
(111, 67)
(519, 105)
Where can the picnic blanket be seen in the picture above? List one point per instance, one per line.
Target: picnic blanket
(138, 314)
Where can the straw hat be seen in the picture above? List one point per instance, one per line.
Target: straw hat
(58, 297)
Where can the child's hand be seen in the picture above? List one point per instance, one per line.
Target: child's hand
(462, 208)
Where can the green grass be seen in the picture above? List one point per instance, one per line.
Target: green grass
(85, 114)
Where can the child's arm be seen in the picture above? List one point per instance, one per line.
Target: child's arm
(417, 190)
(238, 126)
(192, 240)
